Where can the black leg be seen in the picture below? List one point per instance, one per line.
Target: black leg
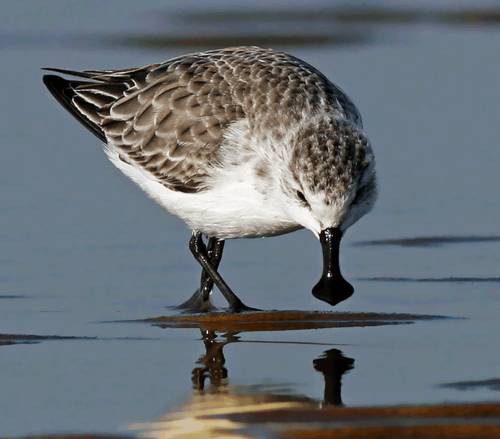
(215, 248)
(200, 252)
(200, 300)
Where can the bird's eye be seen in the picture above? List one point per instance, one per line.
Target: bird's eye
(302, 198)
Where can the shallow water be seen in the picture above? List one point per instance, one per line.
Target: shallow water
(82, 248)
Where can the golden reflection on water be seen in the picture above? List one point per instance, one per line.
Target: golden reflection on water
(217, 409)
(214, 401)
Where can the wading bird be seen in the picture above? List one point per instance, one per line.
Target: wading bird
(239, 142)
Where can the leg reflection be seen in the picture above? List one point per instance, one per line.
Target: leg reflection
(333, 365)
(212, 362)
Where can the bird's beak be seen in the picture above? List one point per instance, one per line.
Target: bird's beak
(332, 287)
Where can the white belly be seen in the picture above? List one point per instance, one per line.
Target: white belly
(233, 209)
(230, 212)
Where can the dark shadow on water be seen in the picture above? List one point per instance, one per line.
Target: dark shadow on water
(451, 279)
(294, 342)
(286, 27)
(219, 41)
(15, 339)
(12, 339)
(491, 384)
(351, 15)
(161, 41)
(429, 241)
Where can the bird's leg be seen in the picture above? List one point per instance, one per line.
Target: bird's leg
(200, 253)
(215, 248)
(200, 300)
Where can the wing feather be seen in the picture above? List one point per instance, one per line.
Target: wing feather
(170, 118)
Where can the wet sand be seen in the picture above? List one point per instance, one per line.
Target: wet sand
(283, 320)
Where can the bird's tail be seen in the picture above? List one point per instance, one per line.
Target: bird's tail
(85, 100)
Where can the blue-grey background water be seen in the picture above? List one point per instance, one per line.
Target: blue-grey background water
(80, 244)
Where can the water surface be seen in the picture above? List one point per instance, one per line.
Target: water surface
(81, 246)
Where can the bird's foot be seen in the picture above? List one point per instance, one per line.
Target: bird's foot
(196, 304)
(241, 307)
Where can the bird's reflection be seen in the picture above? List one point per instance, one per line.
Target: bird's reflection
(218, 409)
(211, 364)
(332, 364)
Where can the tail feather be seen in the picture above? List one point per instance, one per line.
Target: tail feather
(64, 92)
(75, 73)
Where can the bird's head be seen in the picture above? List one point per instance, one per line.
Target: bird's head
(329, 184)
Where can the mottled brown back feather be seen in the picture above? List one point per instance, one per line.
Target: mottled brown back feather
(170, 118)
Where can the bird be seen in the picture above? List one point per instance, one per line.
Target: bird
(240, 142)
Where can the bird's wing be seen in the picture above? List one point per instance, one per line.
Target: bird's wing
(166, 118)
(170, 118)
